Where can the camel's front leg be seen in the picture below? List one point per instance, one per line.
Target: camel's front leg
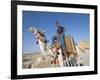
(60, 58)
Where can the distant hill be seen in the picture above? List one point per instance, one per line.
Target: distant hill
(84, 52)
(83, 45)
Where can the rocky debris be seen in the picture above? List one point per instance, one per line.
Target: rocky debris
(36, 61)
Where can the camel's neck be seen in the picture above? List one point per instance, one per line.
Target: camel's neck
(42, 45)
(44, 48)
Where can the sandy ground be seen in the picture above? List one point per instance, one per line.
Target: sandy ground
(30, 60)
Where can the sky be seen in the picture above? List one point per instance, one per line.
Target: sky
(76, 25)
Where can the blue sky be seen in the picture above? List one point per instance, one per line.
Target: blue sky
(76, 24)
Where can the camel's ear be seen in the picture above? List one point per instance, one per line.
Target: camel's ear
(43, 31)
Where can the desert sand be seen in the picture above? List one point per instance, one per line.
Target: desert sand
(29, 59)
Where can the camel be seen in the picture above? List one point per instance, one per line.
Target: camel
(52, 53)
(46, 51)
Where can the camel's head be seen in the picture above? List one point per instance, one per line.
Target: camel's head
(32, 29)
(40, 34)
(36, 30)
